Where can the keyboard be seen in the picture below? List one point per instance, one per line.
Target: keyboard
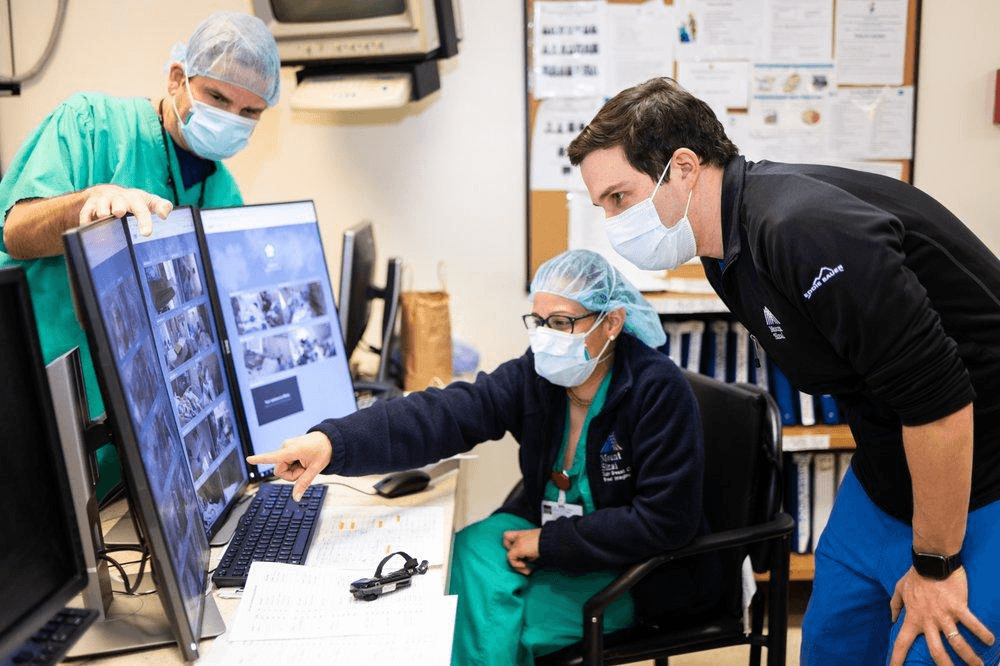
(49, 644)
(274, 528)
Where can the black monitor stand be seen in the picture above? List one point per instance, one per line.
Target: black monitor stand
(125, 623)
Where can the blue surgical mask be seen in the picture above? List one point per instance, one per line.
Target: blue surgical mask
(213, 133)
(638, 235)
(562, 358)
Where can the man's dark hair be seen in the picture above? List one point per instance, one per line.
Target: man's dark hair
(652, 120)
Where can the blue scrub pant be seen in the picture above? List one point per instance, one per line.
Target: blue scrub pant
(505, 618)
(860, 557)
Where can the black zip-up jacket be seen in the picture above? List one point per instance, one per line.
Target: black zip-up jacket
(866, 288)
(645, 458)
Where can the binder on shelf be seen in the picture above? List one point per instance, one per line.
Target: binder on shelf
(843, 464)
(807, 411)
(693, 331)
(674, 342)
(824, 489)
(719, 331)
(798, 502)
(785, 396)
(829, 410)
(742, 362)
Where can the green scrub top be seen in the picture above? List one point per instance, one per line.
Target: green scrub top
(579, 488)
(87, 140)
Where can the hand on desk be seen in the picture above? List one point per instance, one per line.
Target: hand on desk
(299, 459)
(522, 548)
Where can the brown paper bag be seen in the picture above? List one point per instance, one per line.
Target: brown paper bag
(426, 339)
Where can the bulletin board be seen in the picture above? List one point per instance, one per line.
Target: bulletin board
(830, 81)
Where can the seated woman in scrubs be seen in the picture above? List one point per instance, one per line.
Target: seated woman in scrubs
(610, 453)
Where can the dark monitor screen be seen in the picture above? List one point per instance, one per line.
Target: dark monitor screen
(278, 318)
(139, 400)
(296, 11)
(41, 557)
(189, 355)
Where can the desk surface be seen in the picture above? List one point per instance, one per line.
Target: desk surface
(441, 492)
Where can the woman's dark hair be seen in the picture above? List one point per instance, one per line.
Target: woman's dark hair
(652, 120)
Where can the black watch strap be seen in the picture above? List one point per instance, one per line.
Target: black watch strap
(937, 567)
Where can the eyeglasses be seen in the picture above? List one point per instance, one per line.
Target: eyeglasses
(557, 322)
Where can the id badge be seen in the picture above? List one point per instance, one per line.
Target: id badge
(552, 510)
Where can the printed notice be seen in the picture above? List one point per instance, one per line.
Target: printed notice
(871, 41)
(568, 49)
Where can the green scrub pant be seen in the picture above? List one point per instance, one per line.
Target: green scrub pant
(505, 618)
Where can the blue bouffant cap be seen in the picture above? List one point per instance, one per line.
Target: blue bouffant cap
(236, 48)
(587, 278)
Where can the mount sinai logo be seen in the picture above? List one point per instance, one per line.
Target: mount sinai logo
(825, 274)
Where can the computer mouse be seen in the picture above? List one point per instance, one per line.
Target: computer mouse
(398, 484)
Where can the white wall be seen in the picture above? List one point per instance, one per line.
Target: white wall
(958, 147)
(444, 179)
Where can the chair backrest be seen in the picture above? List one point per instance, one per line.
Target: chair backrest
(742, 433)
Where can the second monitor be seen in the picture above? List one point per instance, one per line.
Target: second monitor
(357, 291)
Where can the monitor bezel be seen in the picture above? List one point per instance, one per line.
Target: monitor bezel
(187, 632)
(411, 34)
(28, 623)
(355, 241)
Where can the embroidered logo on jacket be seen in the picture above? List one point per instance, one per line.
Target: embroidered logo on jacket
(613, 466)
(773, 325)
(825, 274)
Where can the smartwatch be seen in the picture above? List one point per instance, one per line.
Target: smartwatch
(936, 567)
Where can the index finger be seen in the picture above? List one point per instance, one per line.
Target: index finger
(272, 458)
(904, 641)
(160, 206)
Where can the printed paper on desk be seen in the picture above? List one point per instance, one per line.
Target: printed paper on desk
(358, 537)
(285, 601)
(397, 647)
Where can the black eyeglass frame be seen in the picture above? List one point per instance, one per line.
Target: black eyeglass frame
(532, 318)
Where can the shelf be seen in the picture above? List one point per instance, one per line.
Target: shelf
(816, 438)
(801, 567)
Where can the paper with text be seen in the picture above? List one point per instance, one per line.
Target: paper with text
(286, 601)
(359, 537)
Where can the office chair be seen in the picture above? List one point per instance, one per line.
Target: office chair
(742, 499)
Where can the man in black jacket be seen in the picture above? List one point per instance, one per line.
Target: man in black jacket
(859, 286)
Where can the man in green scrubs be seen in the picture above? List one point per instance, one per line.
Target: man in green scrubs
(96, 156)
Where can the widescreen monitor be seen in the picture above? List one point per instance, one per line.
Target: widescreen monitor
(138, 401)
(41, 558)
(189, 355)
(268, 274)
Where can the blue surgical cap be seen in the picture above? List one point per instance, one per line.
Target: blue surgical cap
(587, 278)
(235, 48)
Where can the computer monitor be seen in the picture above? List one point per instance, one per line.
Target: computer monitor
(41, 560)
(278, 324)
(357, 290)
(310, 31)
(138, 399)
(188, 353)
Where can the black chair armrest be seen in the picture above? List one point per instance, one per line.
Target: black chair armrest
(780, 525)
(593, 610)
